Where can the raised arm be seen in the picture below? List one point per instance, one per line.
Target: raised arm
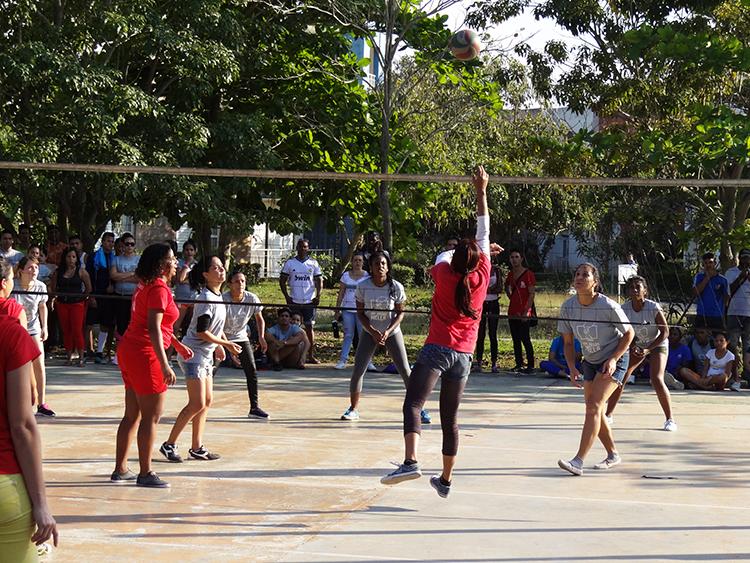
(480, 179)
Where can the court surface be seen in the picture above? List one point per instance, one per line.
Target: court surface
(305, 486)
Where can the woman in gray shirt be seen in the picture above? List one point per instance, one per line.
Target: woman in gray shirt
(605, 335)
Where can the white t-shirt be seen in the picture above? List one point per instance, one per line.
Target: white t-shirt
(740, 303)
(238, 315)
(13, 256)
(383, 298)
(718, 365)
(215, 308)
(31, 305)
(646, 333)
(351, 287)
(301, 282)
(493, 281)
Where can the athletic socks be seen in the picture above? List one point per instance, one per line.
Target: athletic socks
(410, 462)
(577, 461)
(444, 482)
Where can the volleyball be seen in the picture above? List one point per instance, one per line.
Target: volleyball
(465, 45)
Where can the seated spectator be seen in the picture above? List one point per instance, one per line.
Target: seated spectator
(556, 364)
(11, 255)
(711, 290)
(718, 367)
(700, 344)
(287, 345)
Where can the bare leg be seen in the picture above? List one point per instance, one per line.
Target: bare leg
(199, 421)
(126, 430)
(40, 373)
(311, 338)
(658, 363)
(354, 398)
(151, 408)
(615, 398)
(596, 392)
(449, 461)
(196, 403)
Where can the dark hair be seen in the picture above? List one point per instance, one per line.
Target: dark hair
(196, 279)
(63, 258)
(708, 255)
(6, 270)
(25, 260)
(283, 310)
(35, 245)
(234, 272)
(723, 333)
(633, 280)
(465, 260)
(74, 236)
(126, 234)
(9, 232)
(594, 272)
(189, 242)
(151, 263)
(108, 234)
(388, 276)
(678, 329)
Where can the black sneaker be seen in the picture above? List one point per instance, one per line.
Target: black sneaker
(152, 480)
(121, 478)
(170, 452)
(442, 490)
(203, 454)
(277, 367)
(257, 412)
(44, 410)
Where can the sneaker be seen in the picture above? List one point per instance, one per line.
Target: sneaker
(610, 420)
(570, 467)
(517, 369)
(99, 358)
(371, 367)
(277, 367)
(152, 480)
(170, 452)
(203, 454)
(442, 490)
(340, 365)
(350, 414)
(609, 462)
(121, 478)
(44, 410)
(313, 360)
(425, 416)
(671, 382)
(528, 370)
(257, 412)
(736, 386)
(113, 361)
(403, 472)
(670, 425)
(495, 369)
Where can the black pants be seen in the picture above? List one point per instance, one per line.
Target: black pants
(519, 330)
(247, 360)
(421, 382)
(490, 310)
(122, 313)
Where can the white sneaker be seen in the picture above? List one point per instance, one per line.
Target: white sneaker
(350, 414)
(570, 467)
(371, 367)
(670, 425)
(340, 365)
(736, 386)
(671, 382)
(610, 420)
(608, 462)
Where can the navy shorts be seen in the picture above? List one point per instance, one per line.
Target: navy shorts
(590, 370)
(308, 313)
(451, 364)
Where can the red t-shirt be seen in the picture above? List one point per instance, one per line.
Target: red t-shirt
(18, 348)
(448, 326)
(155, 295)
(10, 307)
(519, 295)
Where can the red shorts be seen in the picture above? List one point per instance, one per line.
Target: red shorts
(140, 369)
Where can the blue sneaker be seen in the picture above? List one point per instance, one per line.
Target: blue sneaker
(442, 490)
(350, 414)
(402, 472)
(425, 416)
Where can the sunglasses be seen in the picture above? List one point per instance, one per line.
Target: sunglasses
(128, 243)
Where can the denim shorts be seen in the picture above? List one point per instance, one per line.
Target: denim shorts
(451, 364)
(590, 370)
(200, 369)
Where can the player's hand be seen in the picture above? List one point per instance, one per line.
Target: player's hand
(495, 249)
(480, 179)
(234, 348)
(263, 344)
(46, 526)
(575, 378)
(168, 373)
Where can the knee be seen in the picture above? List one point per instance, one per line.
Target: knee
(131, 418)
(208, 402)
(594, 407)
(195, 407)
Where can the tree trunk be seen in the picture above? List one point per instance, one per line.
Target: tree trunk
(385, 132)
(354, 242)
(735, 203)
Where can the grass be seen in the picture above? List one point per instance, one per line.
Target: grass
(416, 325)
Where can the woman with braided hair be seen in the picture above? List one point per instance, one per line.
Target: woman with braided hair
(461, 278)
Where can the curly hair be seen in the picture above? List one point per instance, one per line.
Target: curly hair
(151, 263)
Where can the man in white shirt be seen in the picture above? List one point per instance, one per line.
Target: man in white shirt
(305, 280)
(7, 251)
(738, 313)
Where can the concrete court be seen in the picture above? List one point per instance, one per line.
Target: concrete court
(305, 486)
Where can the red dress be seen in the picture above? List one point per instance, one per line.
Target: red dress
(138, 361)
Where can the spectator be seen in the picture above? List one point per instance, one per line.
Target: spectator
(520, 285)
(287, 346)
(101, 311)
(490, 312)
(556, 363)
(738, 313)
(45, 270)
(712, 292)
(372, 245)
(717, 369)
(182, 289)
(348, 315)
(700, 344)
(25, 517)
(680, 359)
(74, 241)
(305, 280)
(23, 242)
(10, 254)
(122, 274)
(35, 305)
(55, 246)
(73, 284)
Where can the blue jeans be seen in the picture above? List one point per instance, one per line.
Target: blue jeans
(351, 323)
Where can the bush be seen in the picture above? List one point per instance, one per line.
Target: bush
(403, 274)
(251, 271)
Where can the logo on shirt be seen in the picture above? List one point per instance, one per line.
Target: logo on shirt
(588, 334)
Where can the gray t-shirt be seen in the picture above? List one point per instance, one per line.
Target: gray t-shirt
(123, 265)
(31, 305)
(238, 315)
(384, 297)
(598, 326)
(216, 309)
(646, 333)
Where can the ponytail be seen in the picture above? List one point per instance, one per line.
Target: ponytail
(465, 260)
(196, 279)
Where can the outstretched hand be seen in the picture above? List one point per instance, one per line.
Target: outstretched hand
(480, 178)
(495, 249)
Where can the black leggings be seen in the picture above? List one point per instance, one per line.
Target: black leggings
(519, 330)
(490, 310)
(421, 382)
(247, 360)
(122, 313)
